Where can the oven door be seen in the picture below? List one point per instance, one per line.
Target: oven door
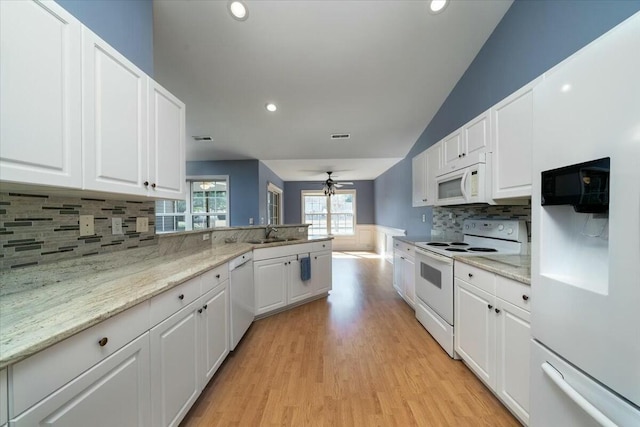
(434, 282)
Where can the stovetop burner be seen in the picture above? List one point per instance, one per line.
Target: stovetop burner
(459, 244)
(483, 250)
(455, 250)
(437, 244)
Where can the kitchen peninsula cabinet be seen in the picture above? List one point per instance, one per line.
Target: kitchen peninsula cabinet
(512, 139)
(493, 333)
(277, 275)
(40, 106)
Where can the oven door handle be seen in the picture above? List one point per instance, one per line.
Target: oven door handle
(439, 258)
(463, 185)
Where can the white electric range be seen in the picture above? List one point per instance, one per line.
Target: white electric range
(434, 270)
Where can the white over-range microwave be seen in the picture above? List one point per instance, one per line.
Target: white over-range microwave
(470, 184)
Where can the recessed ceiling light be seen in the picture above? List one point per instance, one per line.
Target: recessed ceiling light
(438, 6)
(271, 107)
(238, 10)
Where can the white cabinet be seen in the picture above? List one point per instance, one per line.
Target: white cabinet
(115, 94)
(321, 271)
(404, 271)
(463, 147)
(40, 106)
(4, 398)
(271, 277)
(175, 379)
(493, 333)
(214, 331)
(166, 162)
(277, 275)
(512, 140)
(425, 167)
(115, 392)
(77, 114)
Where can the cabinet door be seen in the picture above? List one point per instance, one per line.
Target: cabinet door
(214, 330)
(270, 278)
(166, 144)
(477, 138)
(40, 106)
(114, 392)
(4, 399)
(475, 330)
(512, 140)
(513, 336)
(398, 269)
(452, 152)
(419, 179)
(175, 377)
(321, 271)
(297, 288)
(409, 281)
(434, 164)
(115, 94)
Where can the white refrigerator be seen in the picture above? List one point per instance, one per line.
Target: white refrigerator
(585, 353)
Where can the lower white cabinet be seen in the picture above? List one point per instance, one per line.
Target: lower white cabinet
(214, 330)
(115, 392)
(4, 398)
(277, 275)
(175, 380)
(493, 333)
(404, 280)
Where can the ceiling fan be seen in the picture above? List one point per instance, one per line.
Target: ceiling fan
(329, 186)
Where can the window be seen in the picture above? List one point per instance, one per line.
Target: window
(329, 215)
(206, 207)
(274, 204)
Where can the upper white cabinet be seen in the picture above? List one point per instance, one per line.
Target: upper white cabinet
(425, 167)
(166, 162)
(115, 94)
(77, 114)
(40, 106)
(512, 139)
(463, 147)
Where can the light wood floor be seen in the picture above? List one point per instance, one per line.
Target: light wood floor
(356, 358)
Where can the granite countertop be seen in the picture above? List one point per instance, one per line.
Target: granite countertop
(516, 267)
(412, 239)
(43, 305)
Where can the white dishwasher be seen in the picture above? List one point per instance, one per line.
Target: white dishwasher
(242, 296)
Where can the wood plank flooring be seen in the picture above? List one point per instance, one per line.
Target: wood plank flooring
(356, 358)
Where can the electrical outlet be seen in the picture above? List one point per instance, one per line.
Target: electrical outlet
(86, 225)
(250, 221)
(142, 224)
(116, 226)
(424, 217)
(301, 229)
(205, 236)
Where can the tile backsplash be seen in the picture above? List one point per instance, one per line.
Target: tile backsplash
(447, 220)
(36, 229)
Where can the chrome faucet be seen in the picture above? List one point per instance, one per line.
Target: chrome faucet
(268, 230)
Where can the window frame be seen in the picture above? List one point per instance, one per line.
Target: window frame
(189, 212)
(272, 188)
(329, 231)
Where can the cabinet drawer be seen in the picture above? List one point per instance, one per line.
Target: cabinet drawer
(322, 246)
(167, 303)
(476, 276)
(405, 248)
(43, 373)
(516, 293)
(212, 278)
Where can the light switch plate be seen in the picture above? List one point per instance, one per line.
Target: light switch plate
(116, 225)
(86, 225)
(142, 224)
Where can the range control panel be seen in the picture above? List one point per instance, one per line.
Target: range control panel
(506, 229)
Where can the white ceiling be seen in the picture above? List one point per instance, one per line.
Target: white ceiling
(378, 70)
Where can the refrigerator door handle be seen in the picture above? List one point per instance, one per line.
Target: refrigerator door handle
(577, 398)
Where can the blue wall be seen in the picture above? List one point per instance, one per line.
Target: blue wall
(127, 25)
(293, 204)
(532, 37)
(243, 186)
(266, 176)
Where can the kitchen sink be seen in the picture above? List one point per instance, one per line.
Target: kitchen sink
(272, 240)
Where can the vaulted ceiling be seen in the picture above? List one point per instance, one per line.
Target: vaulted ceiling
(376, 70)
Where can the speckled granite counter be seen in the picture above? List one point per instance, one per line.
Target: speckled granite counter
(43, 305)
(516, 267)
